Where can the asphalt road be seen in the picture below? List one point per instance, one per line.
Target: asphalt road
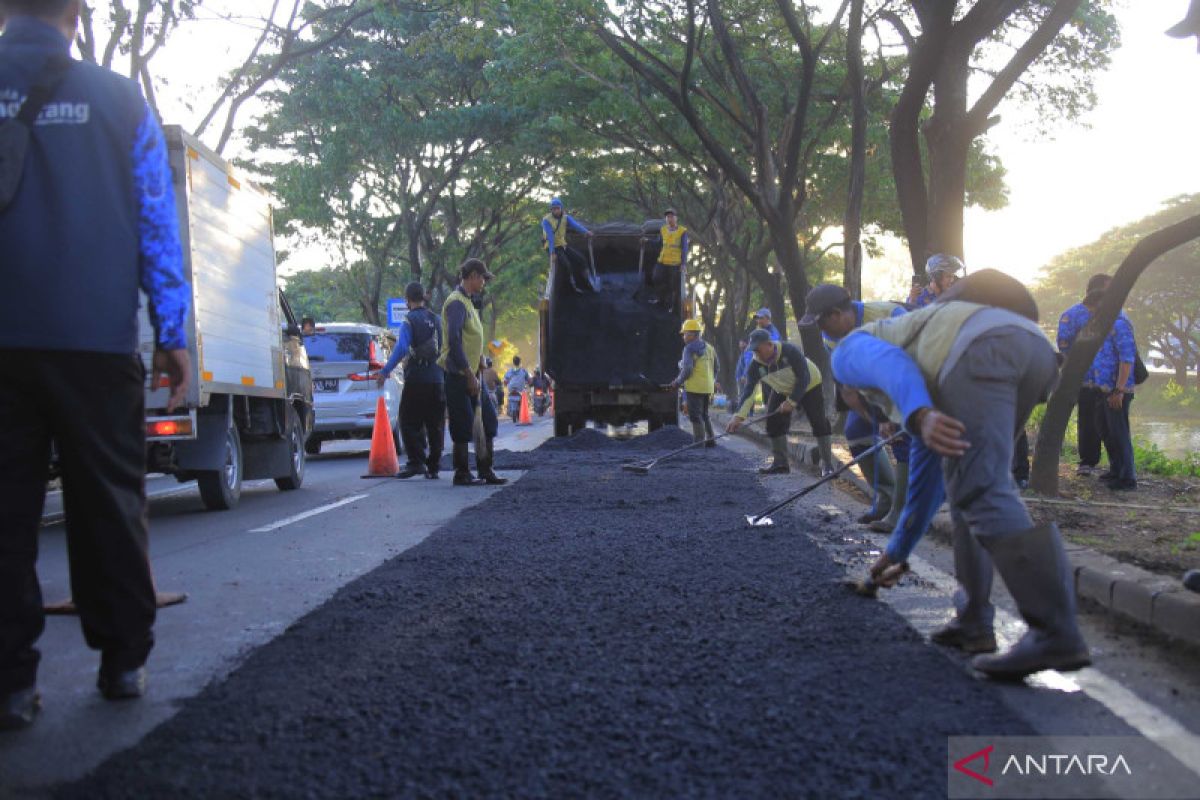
(584, 631)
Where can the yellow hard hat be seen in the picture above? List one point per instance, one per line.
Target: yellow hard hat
(692, 326)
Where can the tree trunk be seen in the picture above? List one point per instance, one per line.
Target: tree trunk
(948, 141)
(1048, 448)
(852, 223)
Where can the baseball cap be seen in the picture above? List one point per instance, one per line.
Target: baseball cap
(758, 337)
(474, 266)
(414, 292)
(825, 297)
(669, 211)
(1098, 283)
(765, 313)
(556, 203)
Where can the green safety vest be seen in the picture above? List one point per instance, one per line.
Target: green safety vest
(472, 334)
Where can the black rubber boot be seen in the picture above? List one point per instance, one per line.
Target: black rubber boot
(1035, 569)
(19, 709)
(462, 466)
(779, 464)
(484, 467)
(972, 628)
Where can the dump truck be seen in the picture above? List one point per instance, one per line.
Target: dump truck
(612, 353)
(249, 405)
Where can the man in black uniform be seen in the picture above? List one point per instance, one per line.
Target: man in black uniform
(423, 402)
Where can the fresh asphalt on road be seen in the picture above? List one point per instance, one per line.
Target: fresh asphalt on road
(583, 632)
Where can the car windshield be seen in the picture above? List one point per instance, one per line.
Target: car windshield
(338, 346)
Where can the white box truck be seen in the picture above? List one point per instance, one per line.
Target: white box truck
(249, 403)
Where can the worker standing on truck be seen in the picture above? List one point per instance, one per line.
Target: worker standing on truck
(832, 309)
(554, 237)
(423, 401)
(90, 219)
(698, 376)
(462, 360)
(672, 260)
(791, 381)
(988, 367)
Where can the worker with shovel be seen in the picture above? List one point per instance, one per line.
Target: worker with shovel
(792, 381)
(964, 376)
(698, 377)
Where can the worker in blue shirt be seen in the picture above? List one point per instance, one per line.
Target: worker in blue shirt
(93, 220)
(988, 367)
(555, 226)
(762, 321)
(831, 308)
(941, 271)
(1070, 325)
(423, 401)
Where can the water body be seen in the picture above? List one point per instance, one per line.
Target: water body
(1176, 438)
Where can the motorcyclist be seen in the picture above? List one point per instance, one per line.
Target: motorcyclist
(516, 380)
(541, 388)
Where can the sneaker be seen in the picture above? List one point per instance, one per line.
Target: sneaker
(1122, 486)
(1084, 469)
(19, 709)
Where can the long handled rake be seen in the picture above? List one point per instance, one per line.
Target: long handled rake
(644, 469)
(763, 518)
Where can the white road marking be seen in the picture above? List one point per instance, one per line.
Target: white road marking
(283, 523)
(1147, 719)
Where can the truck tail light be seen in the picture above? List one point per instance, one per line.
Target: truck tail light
(169, 427)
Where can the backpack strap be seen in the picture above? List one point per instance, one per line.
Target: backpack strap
(48, 80)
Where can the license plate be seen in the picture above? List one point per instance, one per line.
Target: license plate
(325, 385)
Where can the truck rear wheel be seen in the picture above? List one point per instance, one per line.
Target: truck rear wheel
(296, 453)
(221, 489)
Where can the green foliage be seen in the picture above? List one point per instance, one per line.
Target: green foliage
(1150, 460)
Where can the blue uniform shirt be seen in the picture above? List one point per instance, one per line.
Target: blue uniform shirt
(572, 225)
(413, 371)
(94, 218)
(1118, 347)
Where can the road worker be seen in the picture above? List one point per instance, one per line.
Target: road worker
(964, 377)
(832, 309)
(672, 260)
(791, 381)
(698, 377)
(554, 238)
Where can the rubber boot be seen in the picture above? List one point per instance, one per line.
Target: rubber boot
(1038, 575)
(825, 448)
(972, 629)
(779, 464)
(888, 523)
(885, 486)
(709, 432)
(484, 466)
(462, 466)
(698, 432)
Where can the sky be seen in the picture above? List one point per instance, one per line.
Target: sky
(1136, 149)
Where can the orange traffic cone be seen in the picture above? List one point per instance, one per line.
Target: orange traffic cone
(382, 463)
(524, 418)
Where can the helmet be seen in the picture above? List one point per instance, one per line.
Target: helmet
(940, 262)
(692, 326)
(556, 203)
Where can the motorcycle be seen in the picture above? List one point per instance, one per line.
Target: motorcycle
(514, 404)
(541, 401)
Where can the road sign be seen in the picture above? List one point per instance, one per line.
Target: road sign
(397, 310)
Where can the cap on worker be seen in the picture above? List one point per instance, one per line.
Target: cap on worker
(474, 266)
(670, 212)
(757, 337)
(691, 326)
(821, 299)
(414, 292)
(764, 312)
(1098, 283)
(941, 262)
(556, 203)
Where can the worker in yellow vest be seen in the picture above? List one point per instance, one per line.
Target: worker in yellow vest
(555, 226)
(698, 377)
(672, 260)
(461, 358)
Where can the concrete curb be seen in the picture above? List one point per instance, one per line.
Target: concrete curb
(1154, 600)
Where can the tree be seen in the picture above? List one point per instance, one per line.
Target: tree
(1045, 52)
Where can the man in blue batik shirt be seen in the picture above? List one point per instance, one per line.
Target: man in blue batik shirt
(1070, 324)
(93, 220)
(1111, 375)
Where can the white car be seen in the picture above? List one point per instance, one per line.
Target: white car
(345, 358)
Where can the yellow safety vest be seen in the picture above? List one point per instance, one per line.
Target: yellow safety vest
(472, 334)
(560, 231)
(784, 382)
(703, 379)
(672, 248)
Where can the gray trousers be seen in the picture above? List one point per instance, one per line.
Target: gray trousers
(992, 390)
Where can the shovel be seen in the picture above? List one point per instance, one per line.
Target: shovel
(763, 518)
(644, 469)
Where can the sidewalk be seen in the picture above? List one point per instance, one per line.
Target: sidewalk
(1157, 601)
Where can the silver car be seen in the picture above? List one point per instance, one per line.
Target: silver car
(345, 358)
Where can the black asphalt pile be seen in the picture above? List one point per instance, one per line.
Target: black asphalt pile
(584, 632)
